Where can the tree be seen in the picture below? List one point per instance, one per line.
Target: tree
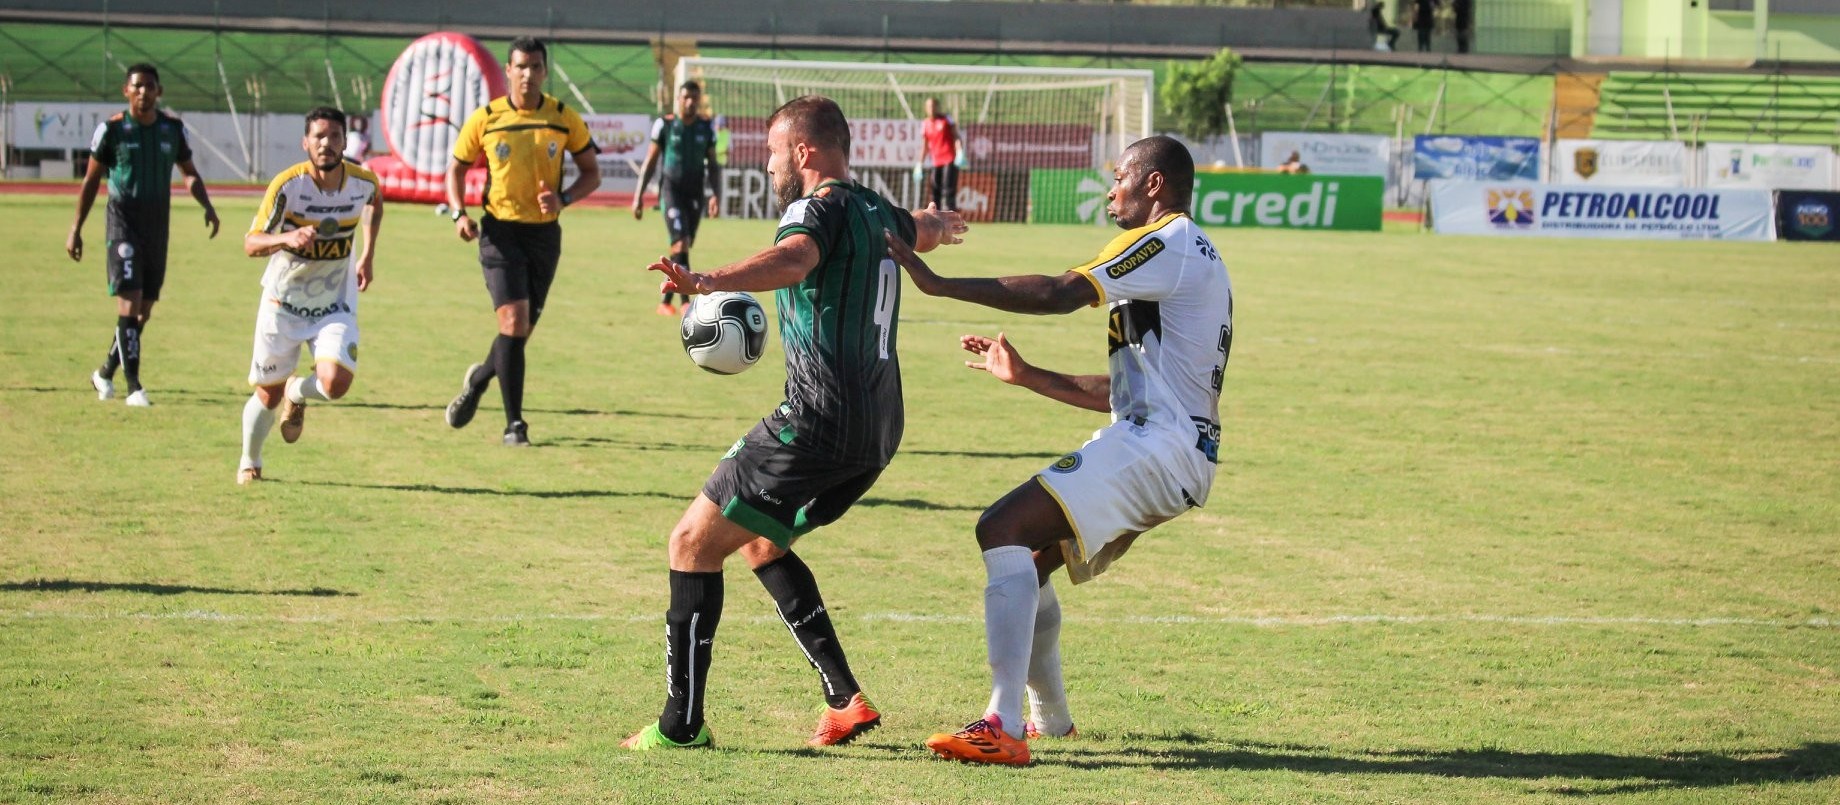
(1196, 94)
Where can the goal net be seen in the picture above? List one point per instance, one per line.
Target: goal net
(1016, 125)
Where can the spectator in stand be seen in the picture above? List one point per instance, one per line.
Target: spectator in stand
(1294, 164)
(1377, 27)
(1424, 19)
(1465, 12)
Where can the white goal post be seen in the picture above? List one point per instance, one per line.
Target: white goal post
(1015, 124)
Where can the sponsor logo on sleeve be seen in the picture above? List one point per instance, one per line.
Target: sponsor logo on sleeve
(1137, 257)
(1068, 463)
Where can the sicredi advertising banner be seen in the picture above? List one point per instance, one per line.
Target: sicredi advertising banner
(1270, 200)
(1334, 154)
(58, 125)
(1779, 167)
(1519, 209)
(1289, 201)
(1625, 163)
(1497, 159)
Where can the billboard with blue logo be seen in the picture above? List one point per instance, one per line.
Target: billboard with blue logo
(1808, 215)
(1494, 159)
(1589, 211)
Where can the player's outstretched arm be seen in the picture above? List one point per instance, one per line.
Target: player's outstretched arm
(1003, 362)
(1025, 293)
(934, 227)
(784, 264)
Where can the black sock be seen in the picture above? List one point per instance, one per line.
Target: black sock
(795, 593)
(508, 366)
(112, 360)
(128, 337)
(682, 259)
(689, 637)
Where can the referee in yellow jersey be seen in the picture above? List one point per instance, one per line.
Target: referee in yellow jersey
(523, 137)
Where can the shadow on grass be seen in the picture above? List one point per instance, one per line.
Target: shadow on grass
(1568, 773)
(1571, 773)
(176, 396)
(69, 585)
(438, 407)
(515, 493)
(981, 454)
(916, 503)
(634, 444)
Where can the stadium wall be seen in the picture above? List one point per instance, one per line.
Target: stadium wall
(1139, 27)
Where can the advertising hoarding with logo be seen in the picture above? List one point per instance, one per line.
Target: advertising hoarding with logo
(1334, 154)
(1625, 163)
(1808, 215)
(1521, 209)
(1495, 159)
(58, 125)
(1776, 167)
(1225, 200)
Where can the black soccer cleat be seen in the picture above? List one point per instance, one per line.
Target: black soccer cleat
(517, 434)
(461, 410)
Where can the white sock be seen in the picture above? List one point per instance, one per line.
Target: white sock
(257, 420)
(1047, 692)
(302, 389)
(1009, 627)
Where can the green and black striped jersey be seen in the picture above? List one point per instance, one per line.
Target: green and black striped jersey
(843, 380)
(140, 160)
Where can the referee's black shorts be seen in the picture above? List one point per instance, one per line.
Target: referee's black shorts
(519, 260)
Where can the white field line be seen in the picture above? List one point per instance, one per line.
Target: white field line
(1283, 621)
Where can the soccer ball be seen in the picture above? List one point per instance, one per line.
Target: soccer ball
(724, 332)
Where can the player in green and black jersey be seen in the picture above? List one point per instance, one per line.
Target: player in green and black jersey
(138, 150)
(691, 175)
(805, 464)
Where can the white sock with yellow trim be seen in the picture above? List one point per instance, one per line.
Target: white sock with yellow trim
(258, 419)
(1009, 628)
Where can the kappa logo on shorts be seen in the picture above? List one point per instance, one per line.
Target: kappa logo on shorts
(1068, 463)
(126, 250)
(735, 450)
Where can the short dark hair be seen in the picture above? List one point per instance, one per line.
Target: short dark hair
(325, 113)
(817, 120)
(692, 86)
(529, 46)
(1168, 156)
(144, 69)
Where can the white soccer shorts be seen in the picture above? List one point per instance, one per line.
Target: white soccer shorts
(279, 337)
(1126, 480)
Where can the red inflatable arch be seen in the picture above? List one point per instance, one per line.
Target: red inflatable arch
(436, 82)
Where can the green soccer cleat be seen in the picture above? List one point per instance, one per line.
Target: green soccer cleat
(651, 738)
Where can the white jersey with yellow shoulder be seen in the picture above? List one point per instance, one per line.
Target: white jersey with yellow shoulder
(1170, 328)
(319, 280)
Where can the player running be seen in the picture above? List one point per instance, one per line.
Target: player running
(1170, 328)
(138, 149)
(806, 463)
(687, 143)
(305, 227)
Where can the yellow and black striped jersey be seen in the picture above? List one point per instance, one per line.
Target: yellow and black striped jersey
(522, 147)
(318, 279)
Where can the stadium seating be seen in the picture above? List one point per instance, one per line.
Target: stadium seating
(1766, 108)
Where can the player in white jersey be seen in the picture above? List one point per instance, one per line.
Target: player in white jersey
(306, 227)
(1170, 328)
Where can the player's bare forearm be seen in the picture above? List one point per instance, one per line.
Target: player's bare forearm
(86, 197)
(785, 264)
(373, 224)
(1091, 392)
(456, 184)
(934, 227)
(589, 179)
(1023, 293)
(194, 184)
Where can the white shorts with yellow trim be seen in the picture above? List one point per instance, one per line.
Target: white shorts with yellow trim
(1126, 480)
(280, 335)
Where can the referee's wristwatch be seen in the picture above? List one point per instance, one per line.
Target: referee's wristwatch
(457, 214)
(566, 201)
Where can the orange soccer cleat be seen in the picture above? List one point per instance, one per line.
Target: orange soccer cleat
(665, 309)
(982, 741)
(837, 727)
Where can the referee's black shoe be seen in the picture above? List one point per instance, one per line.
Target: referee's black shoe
(460, 411)
(517, 434)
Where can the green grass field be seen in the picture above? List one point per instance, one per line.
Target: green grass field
(1498, 521)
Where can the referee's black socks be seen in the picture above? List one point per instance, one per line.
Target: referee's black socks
(795, 594)
(507, 362)
(689, 635)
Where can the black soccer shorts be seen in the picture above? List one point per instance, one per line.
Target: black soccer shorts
(519, 261)
(780, 491)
